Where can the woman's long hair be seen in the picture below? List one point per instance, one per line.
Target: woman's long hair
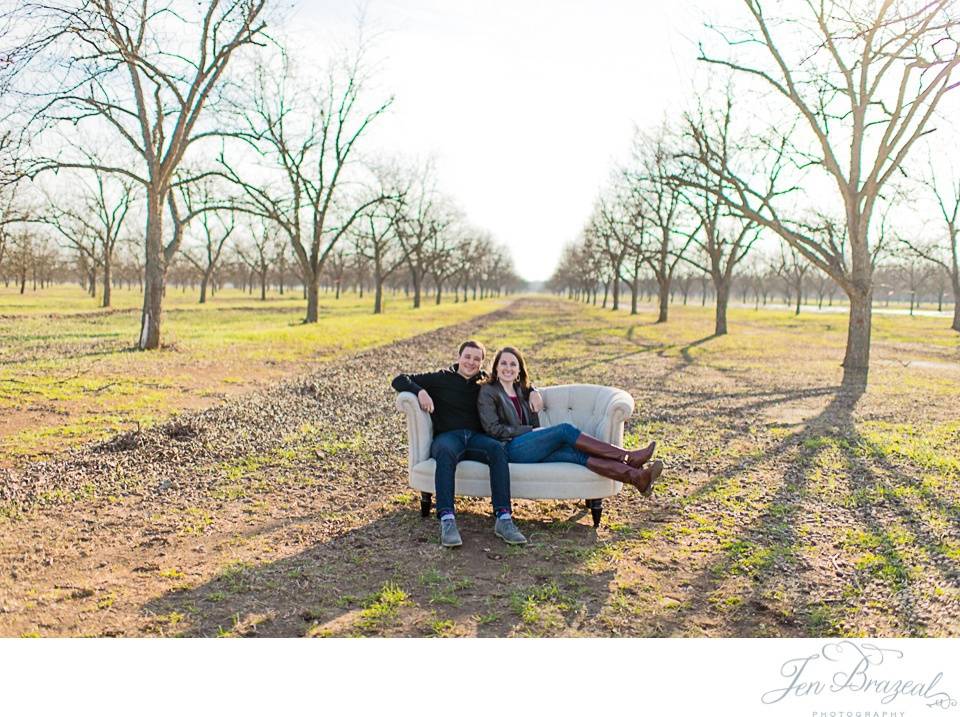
(522, 377)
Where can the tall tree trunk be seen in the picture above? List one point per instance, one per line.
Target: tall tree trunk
(154, 277)
(313, 300)
(722, 287)
(857, 358)
(106, 282)
(663, 298)
(203, 287)
(416, 291)
(378, 296)
(955, 279)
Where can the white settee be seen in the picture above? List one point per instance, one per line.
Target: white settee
(599, 411)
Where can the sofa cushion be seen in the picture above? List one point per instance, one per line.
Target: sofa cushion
(527, 480)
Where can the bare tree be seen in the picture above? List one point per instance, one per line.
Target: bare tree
(189, 201)
(144, 73)
(792, 268)
(865, 82)
(915, 273)
(946, 252)
(656, 190)
(724, 238)
(337, 268)
(425, 217)
(468, 256)
(216, 228)
(309, 138)
(12, 211)
(375, 239)
(22, 257)
(93, 226)
(443, 248)
(281, 263)
(825, 287)
(257, 254)
(614, 224)
(634, 263)
(758, 279)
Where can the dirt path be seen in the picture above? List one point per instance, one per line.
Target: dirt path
(286, 512)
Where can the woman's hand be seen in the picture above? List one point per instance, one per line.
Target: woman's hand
(536, 401)
(426, 403)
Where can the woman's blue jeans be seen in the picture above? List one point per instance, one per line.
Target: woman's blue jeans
(547, 445)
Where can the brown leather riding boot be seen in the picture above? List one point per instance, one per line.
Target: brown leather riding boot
(638, 458)
(642, 479)
(595, 447)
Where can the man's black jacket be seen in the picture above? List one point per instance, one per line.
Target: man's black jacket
(454, 397)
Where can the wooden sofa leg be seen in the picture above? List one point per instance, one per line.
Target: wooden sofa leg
(596, 510)
(426, 500)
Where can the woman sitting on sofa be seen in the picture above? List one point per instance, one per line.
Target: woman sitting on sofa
(505, 414)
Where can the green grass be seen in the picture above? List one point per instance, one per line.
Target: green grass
(62, 354)
(541, 609)
(382, 608)
(443, 628)
(934, 448)
(236, 577)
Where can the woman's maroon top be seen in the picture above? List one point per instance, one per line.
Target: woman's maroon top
(516, 404)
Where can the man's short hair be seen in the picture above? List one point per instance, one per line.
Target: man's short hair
(473, 345)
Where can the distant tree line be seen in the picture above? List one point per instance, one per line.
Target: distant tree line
(223, 249)
(763, 280)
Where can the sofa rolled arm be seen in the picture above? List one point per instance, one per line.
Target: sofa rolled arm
(619, 409)
(419, 428)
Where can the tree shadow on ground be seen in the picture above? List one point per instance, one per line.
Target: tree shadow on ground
(756, 400)
(763, 550)
(661, 350)
(96, 351)
(390, 577)
(819, 558)
(685, 351)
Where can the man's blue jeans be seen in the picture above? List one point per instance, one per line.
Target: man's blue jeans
(451, 447)
(547, 445)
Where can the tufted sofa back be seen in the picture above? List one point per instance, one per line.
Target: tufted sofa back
(597, 410)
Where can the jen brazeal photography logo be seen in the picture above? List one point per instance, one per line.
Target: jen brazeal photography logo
(876, 676)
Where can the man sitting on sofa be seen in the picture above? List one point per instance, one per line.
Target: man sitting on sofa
(450, 397)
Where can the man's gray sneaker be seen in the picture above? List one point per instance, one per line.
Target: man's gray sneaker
(505, 528)
(449, 535)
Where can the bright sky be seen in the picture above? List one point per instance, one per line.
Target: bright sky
(525, 105)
